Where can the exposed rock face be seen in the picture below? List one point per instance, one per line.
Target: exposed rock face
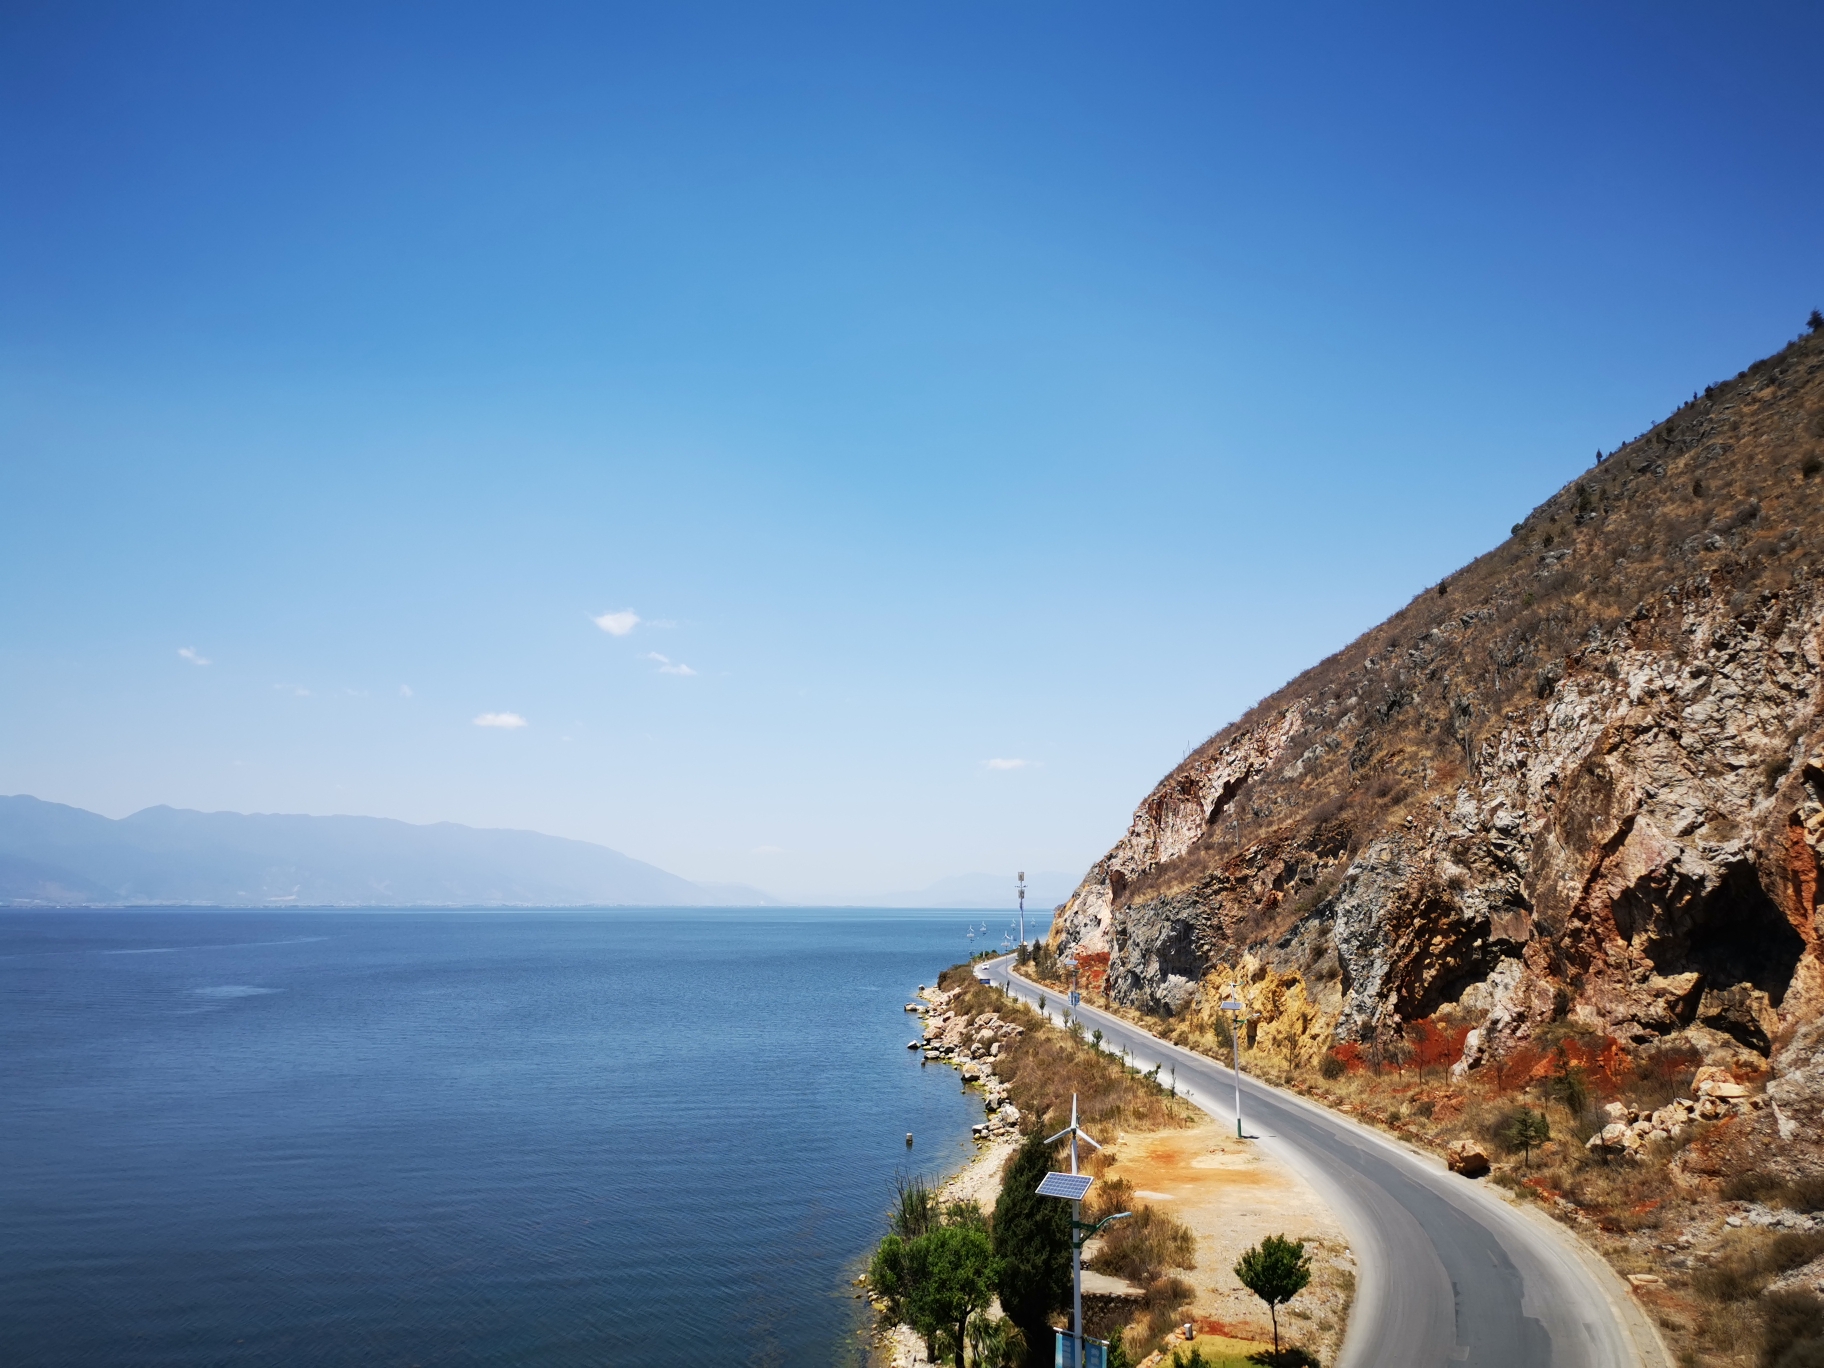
(1583, 777)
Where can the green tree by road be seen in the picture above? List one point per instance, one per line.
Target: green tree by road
(1032, 1242)
(1275, 1270)
(958, 1282)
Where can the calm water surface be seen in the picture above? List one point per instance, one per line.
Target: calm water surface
(626, 1137)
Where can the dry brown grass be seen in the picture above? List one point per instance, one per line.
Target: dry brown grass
(1046, 1065)
(1142, 1247)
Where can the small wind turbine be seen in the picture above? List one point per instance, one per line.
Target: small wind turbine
(1075, 1132)
(1072, 1186)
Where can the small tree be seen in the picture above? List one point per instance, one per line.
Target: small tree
(1816, 321)
(1095, 1038)
(1275, 1270)
(887, 1276)
(959, 1280)
(1526, 1128)
(1570, 1084)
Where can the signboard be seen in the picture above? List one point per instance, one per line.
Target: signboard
(1095, 1352)
(1076, 998)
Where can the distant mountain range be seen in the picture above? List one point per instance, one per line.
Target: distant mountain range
(56, 855)
(52, 855)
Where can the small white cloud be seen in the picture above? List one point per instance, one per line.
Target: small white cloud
(618, 624)
(669, 666)
(510, 721)
(405, 691)
(189, 654)
(998, 764)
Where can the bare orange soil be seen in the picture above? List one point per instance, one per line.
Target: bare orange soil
(1232, 1195)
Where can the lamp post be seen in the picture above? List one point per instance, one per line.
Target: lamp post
(1233, 1005)
(1071, 1186)
(1020, 881)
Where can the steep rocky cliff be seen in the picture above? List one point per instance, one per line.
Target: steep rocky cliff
(1583, 777)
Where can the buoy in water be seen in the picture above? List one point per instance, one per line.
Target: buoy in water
(908, 1139)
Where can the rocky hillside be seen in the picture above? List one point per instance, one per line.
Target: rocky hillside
(1581, 778)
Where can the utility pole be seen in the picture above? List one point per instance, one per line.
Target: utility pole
(1072, 1186)
(1021, 879)
(1233, 1004)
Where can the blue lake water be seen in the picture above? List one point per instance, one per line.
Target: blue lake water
(615, 1137)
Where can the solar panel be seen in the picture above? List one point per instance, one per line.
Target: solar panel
(1070, 1186)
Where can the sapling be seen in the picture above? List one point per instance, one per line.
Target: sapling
(1275, 1270)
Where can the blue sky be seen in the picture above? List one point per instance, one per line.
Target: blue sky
(939, 385)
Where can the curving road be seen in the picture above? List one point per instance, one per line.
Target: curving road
(1448, 1272)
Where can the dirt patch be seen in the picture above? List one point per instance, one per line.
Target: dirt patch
(1232, 1195)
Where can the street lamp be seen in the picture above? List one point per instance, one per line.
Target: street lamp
(1233, 1004)
(1071, 1187)
(1020, 881)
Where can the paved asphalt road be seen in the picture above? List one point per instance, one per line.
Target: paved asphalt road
(1447, 1273)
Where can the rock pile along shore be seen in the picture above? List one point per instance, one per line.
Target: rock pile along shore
(972, 1047)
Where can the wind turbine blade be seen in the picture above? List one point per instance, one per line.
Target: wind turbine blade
(1086, 1140)
(1053, 1139)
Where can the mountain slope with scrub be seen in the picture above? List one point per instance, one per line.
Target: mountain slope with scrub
(1582, 776)
(1532, 868)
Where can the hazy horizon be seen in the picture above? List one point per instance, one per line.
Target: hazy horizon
(161, 856)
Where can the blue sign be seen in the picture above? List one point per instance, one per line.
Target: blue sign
(1095, 1352)
(1076, 999)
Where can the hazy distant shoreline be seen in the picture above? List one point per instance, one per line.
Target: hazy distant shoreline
(54, 855)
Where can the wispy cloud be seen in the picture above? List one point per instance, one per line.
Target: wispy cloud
(617, 624)
(405, 691)
(510, 721)
(999, 764)
(189, 654)
(669, 666)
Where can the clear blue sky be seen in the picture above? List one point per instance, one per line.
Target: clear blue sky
(940, 383)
